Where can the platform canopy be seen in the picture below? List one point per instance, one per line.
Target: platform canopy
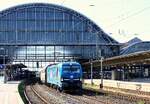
(14, 66)
(139, 58)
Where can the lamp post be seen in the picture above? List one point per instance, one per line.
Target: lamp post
(91, 71)
(3, 49)
(99, 55)
(4, 69)
(101, 84)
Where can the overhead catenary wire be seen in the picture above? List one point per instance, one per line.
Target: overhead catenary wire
(62, 2)
(129, 16)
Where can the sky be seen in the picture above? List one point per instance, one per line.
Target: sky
(120, 19)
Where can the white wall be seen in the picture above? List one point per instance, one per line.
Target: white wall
(122, 84)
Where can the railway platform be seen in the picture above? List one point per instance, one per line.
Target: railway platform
(9, 93)
(132, 90)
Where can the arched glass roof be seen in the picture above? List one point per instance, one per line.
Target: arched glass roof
(139, 46)
(36, 34)
(40, 23)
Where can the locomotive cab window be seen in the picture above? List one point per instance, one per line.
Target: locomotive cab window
(73, 68)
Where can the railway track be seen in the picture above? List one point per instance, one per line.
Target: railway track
(127, 95)
(77, 99)
(88, 100)
(41, 94)
(35, 96)
(68, 99)
(32, 96)
(90, 97)
(45, 98)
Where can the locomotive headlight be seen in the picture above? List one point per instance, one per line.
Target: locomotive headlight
(71, 76)
(62, 79)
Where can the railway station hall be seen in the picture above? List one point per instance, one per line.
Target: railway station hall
(35, 35)
(38, 34)
(63, 52)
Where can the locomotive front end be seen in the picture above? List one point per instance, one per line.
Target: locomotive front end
(71, 76)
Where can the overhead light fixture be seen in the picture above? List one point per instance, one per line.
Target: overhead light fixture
(91, 5)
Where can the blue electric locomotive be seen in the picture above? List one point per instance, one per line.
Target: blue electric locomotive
(66, 75)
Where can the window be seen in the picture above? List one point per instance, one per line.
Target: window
(71, 69)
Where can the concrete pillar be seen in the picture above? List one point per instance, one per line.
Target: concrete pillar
(91, 73)
(114, 75)
(146, 72)
(123, 75)
(128, 75)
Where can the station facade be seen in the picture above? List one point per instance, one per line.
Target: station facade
(37, 34)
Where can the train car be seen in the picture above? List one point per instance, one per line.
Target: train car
(65, 76)
(42, 76)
